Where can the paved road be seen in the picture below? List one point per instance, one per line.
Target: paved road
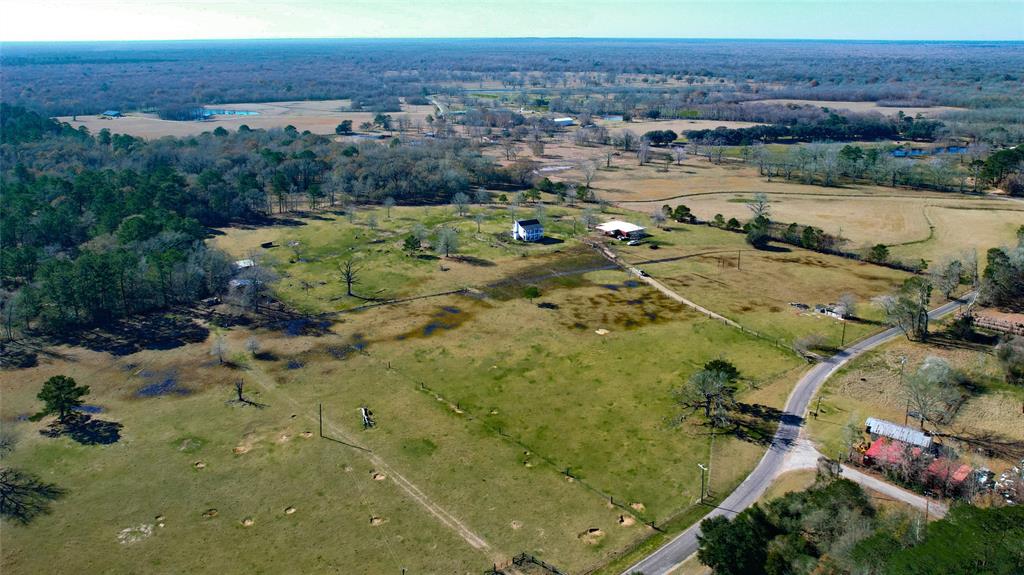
(669, 556)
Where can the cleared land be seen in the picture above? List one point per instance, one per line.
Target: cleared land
(864, 214)
(527, 392)
(319, 117)
(310, 275)
(756, 288)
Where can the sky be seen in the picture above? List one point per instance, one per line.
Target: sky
(77, 20)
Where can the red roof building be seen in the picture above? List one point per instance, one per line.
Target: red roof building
(885, 451)
(947, 470)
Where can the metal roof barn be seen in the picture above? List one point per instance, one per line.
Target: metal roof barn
(898, 432)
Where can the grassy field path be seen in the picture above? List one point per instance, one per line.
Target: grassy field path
(415, 493)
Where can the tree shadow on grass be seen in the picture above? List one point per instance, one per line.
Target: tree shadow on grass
(474, 261)
(23, 496)
(756, 423)
(86, 430)
(131, 335)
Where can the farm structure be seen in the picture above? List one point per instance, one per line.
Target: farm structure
(527, 230)
(881, 428)
(563, 122)
(622, 230)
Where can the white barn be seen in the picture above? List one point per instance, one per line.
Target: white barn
(622, 230)
(564, 122)
(527, 230)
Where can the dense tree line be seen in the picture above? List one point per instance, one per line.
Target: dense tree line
(833, 528)
(105, 226)
(835, 127)
(1002, 282)
(720, 80)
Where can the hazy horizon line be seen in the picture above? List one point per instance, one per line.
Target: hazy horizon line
(511, 38)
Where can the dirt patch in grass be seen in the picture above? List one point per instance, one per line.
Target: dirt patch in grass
(591, 536)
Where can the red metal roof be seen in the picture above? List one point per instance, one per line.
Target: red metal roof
(890, 451)
(944, 468)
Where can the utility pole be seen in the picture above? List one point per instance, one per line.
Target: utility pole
(906, 414)
(843, 342)
(738, 259)
(703, 470)
(817, 408)
(321, 420)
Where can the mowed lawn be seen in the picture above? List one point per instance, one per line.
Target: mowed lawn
(561, 395)
(700, 263)
(310, 250)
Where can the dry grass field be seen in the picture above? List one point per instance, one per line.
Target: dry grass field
(701, 262)
(319, 117)
(864, 214)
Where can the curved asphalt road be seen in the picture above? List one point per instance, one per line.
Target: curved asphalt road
(670, 555)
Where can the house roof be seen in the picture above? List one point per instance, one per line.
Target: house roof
(945, 468)
(899, 432)
(528, 223)
(565, 119)
(242, 264)
(890, 451)
(619, 225)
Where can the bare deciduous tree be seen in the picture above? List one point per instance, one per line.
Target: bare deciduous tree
(643, 151)
(931, 391)
(509, 146)
(760, 207)
(848, 302)
(461, 203)
(447, 241)
(589, 170)
(349, 274)
(946, 276)
(679, 153)
(588, 218)
(219, 348)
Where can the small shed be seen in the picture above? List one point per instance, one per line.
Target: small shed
(244, 264)
(563, 122)
(622, 230)
(882, 428)
(527, 230)
(112, 113)
(832, 310)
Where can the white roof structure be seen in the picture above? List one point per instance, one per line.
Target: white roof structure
(898, 432)
(620, 226)
(242, 264)
(565, 120)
